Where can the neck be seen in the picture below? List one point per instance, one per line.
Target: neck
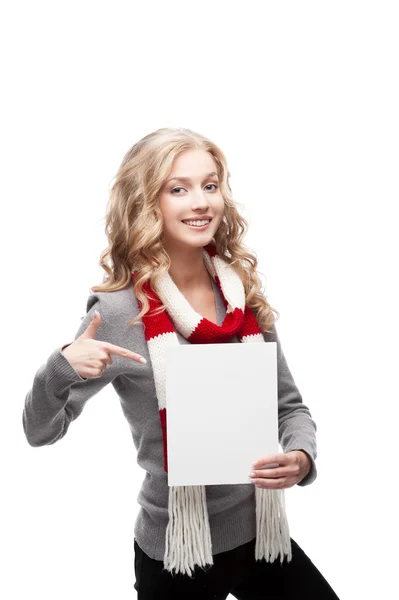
(188, 270)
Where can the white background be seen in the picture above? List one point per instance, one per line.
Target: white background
(303, 99)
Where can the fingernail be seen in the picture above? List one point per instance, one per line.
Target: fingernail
(252, 475)
(142, 360)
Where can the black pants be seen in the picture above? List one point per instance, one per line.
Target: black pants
(235, 572)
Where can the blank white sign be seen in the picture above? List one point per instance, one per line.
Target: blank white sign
(222, 411)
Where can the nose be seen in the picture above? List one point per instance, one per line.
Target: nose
(200, 201)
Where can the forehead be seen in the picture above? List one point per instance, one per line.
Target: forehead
(193, 164)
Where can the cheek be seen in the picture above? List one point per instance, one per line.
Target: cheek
(220, 205)
(171, 214)
(166, 208)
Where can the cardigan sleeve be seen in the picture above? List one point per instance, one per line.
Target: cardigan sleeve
(59, 394)
(297, 429)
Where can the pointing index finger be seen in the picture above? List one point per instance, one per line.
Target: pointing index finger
(124, 352)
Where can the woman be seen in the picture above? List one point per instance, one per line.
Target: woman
(177, 273)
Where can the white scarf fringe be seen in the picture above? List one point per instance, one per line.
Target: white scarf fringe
(272, 530)
(188, 536)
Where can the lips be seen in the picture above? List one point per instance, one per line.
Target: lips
(198, 227)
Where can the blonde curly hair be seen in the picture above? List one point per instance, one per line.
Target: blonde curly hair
(134, 222)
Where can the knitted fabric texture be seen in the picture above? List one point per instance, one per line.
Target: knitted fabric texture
(188, 539)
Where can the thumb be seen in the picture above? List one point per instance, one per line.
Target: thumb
(94, 324)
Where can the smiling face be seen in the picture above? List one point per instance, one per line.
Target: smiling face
(191, 192)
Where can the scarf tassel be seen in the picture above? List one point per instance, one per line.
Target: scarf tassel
(272, 530)
(188, 537)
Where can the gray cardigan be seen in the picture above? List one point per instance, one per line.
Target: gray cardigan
(58, 396)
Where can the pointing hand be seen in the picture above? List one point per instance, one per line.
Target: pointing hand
(89, 357)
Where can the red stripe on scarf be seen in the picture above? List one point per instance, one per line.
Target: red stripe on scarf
(250, 325)
(154, 325)
(162, 416)
(207, 332)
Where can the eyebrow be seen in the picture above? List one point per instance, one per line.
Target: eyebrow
(187, 179)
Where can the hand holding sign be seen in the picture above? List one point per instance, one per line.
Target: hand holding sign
(280, 470)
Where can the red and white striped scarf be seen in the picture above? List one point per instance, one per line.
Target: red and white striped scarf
(188, 538)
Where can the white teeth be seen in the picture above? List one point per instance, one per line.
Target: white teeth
(197, 223)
